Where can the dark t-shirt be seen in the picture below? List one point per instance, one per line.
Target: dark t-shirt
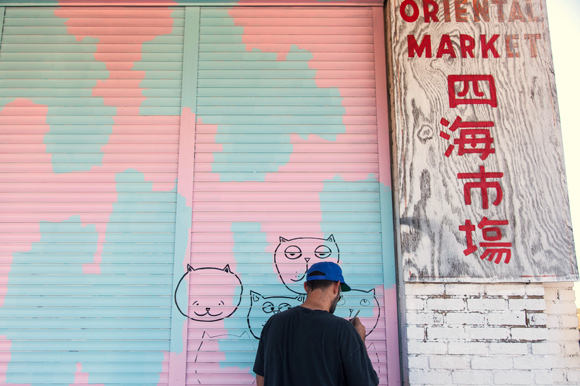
(303, 347)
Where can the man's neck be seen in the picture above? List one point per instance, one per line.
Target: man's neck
(315, 304)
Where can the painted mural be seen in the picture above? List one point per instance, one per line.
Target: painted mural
(122, 272)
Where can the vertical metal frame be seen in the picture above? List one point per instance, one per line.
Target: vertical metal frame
(182, 251)
(387, 229)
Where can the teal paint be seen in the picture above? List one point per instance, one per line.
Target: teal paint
(225, 79)
(167, 67)
(2, 13)
(133, 293)
(244, 233)
(387, 232)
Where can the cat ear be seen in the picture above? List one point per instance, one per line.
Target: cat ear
(190, 268)
(227, 269)
(331, 239)
(371, 290)
(282, 239)
(255, 296)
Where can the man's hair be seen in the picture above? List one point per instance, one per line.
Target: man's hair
(318, 284)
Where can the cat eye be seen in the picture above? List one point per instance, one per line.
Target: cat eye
(365, 302)
(268, 307)
(322, 252)
(293, 252)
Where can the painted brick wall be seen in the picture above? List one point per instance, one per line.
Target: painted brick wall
(490, 334)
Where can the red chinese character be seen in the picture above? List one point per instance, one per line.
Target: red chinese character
(494, 249)
(468, 228)
(483, 184)
(459, 98)
(469, 136)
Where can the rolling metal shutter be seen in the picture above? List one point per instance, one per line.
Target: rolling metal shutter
(286, 174)
(126, 262)
(89, 126)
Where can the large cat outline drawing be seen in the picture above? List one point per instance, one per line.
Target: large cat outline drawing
(293, 257)
(217, 306)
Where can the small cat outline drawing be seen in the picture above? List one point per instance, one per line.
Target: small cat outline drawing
(267, 306)
(293, 257)
(227, 277)
(351, 303)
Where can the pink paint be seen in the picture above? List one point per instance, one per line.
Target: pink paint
(82, 378)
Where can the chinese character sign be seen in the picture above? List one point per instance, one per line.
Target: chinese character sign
(480, 185)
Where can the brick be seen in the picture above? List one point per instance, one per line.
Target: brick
(535, 290)
(567, 295)
(414, 303)
(445, 304)
(491, 363)
(472, 377)
(513, 377)
(550, 294)
(429, 377)
(561, 334)
(486, 304)
(559, 376)
(424, 289)
(420, 318)
(509, 348)
(448, 333)
(554, 321)
(567, 308)
(488, 333)
(532, 362)
(569, 321)
(507, 318)
(472, 318)
(566, 363)
(505, 289)
(529, 333)
(414, 347)
(538, 319)
(572, 348)
(527, 304)
(416, 333)
(543, 377)
(449, 362)
(573, 376)
(464, 289)
(559, 284)
(546, 348)
(418, 362)
(473, 348)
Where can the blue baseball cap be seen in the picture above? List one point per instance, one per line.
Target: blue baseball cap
(330, 271)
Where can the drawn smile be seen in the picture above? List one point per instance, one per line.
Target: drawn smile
(299, 279)
(207, 313)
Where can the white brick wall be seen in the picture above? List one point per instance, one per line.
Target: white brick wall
(490, 334)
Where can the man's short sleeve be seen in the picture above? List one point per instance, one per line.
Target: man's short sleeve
(356, 362)
(259, 362)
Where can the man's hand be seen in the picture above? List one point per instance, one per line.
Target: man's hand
(359, 328)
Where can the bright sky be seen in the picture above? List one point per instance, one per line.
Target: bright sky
(563, 18)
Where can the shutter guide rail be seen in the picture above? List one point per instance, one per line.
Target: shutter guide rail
(2, 15)
(179, 323)
(387, 231)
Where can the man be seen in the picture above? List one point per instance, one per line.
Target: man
(308, 345)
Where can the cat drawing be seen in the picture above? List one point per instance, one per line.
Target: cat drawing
(217, 306)
(262, 307)
(293, 258)
(358, 300)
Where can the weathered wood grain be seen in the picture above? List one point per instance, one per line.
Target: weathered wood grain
(527, 141)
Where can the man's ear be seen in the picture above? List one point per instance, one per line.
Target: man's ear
(305, 287)
(336, 287)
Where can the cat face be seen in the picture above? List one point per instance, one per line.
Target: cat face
(359, 300)
(218, 306)
(293, 258)
(263, 307)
